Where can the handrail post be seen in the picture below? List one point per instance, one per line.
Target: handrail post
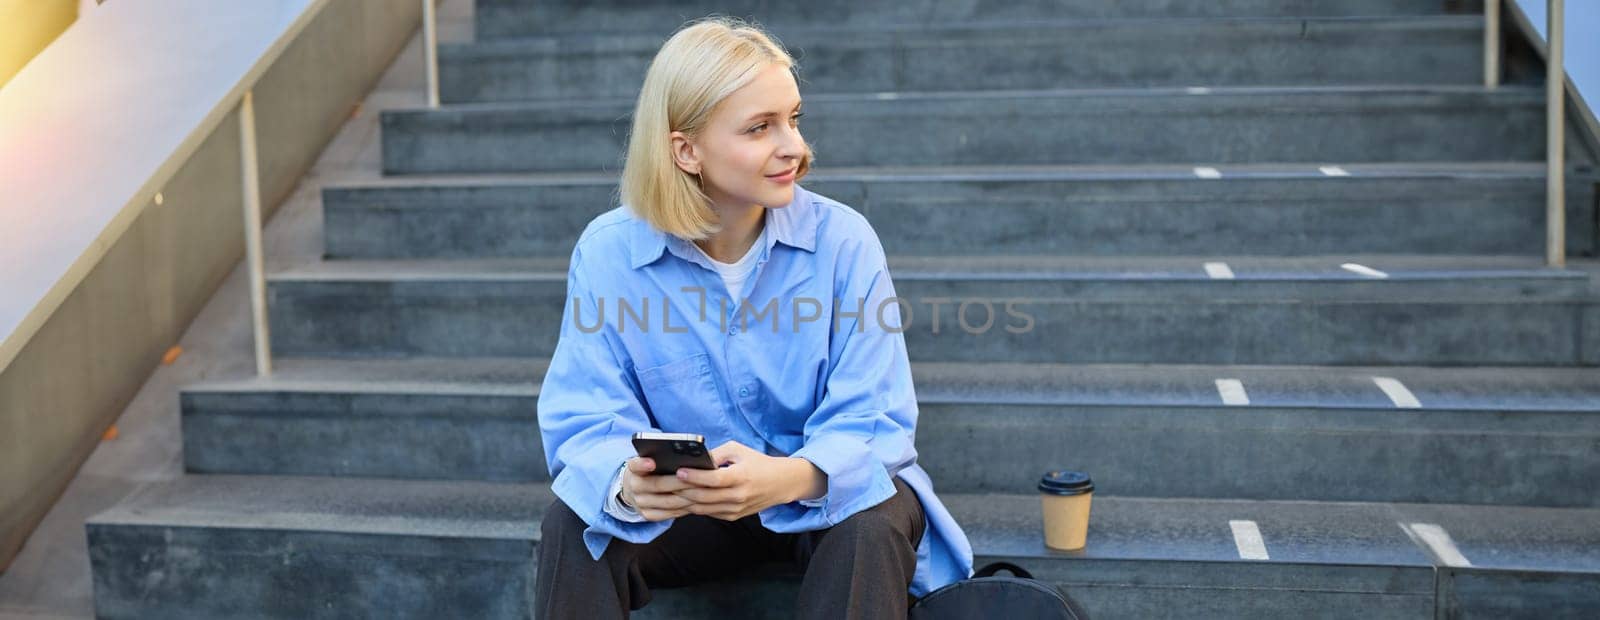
(252, 232)
(1555, 134)
(1491, 43)
(430, 50)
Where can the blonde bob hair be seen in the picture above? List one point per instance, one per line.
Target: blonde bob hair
(703, 63)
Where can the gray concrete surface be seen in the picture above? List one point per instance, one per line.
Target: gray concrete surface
(1045, 53)
(507, 18)
(207, 547)
(470, 547)
(1330, 124)
(50, 577)
(1130, 211)
(1084, 310)
(1333, 433)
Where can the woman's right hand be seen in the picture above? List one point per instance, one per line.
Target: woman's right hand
(654, 496)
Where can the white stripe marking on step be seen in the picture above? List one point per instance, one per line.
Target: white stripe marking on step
(1438, 541)
(1398, 394)
(1247, 537)
(1232, 392)
(887, 96)
(1207, 172)
(1197, 90)
(1334, 171)
(1364, 270)
(1219, 271)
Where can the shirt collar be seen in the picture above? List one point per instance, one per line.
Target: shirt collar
(794, 225)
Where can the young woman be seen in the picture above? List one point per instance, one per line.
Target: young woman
(724, 300)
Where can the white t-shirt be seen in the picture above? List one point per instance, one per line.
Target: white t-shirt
(736, 274)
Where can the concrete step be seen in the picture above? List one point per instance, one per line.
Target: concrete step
(511, 18)
(423, 418)
(266, 547)
(210, 546)
(1467, 208)
(1203, 127)
(1337, 310)
(1527, 435)
(1040, 54)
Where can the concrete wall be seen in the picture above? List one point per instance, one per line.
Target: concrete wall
(87, 362)
(26, 27)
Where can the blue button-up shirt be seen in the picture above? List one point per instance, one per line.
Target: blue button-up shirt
(809, 364)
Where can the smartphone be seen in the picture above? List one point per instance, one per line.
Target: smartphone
(671, 451)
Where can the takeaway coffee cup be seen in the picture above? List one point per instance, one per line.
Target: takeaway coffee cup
(1066, 495)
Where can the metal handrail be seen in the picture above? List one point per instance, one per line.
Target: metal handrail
(1555, 134)
(1554, 115)
(251, 188)
(1491, 43)
(430, 50)
(252, 231)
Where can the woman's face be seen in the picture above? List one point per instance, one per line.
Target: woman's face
(750, 149)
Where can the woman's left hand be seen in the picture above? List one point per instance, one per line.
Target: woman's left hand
(751, 482)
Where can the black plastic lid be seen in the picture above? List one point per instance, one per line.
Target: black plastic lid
(1066, 483)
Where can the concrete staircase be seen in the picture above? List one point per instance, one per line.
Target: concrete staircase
(1283, 262)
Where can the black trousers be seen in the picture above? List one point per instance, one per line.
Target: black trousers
(860, 568)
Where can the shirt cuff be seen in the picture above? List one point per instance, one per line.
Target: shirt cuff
(815, 503)
(614, 505)
(855, 476)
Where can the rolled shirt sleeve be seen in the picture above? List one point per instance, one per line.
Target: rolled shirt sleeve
(616, 508)
(589, 408)
(862, 432)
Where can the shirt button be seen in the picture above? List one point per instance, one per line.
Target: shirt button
(733, 330)
(744, 391)
(702, 368)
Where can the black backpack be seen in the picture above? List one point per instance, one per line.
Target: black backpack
(988, 596)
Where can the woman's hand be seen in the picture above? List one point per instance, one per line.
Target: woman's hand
(751, 482)
(653, 496)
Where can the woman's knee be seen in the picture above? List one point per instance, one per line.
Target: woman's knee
(870, 538)
(898, 517)
(875, 528)
(868, 525)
